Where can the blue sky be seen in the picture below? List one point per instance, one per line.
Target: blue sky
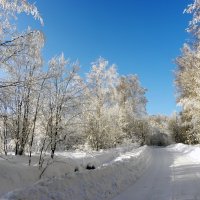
(141, 37)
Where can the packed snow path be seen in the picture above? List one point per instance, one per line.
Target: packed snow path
(173, 175)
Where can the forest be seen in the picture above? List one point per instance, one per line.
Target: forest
(49, 107)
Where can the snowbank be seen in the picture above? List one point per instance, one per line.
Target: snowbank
(190, 150)
(104, 182)
(15, 172)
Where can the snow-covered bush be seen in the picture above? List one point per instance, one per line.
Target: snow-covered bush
(158, 138)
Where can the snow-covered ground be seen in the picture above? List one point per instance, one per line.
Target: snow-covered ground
(144, 173)
(115, 169)
(173, 175)
(15, 172)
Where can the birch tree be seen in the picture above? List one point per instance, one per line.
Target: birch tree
(61, 100)
(188, 78)
(12, 43)
(113, 104)
(132, 103)
(101, 81)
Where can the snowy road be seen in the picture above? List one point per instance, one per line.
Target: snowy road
(172, 175)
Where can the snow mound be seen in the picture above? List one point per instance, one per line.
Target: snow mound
(179, 147)
(104, 182)
(15, 173)
(192, 151)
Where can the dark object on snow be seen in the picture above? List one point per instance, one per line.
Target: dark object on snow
(89, 166)
(76, 169)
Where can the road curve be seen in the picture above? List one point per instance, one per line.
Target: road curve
(172, 175)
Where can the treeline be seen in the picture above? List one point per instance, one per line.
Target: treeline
(186, 124)
(46, 109)
(49, 107)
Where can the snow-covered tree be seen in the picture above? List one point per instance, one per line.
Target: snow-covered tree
(177, 129)
(132, 102)
(113, 105)
(188, 78)
(48, 109)
(20, 64)
(159, 133)
(61, 100)
(101, 81)
(13, 43)
(194, 9)
(26, 70)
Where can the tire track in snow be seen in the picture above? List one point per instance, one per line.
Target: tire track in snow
(173, 175)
